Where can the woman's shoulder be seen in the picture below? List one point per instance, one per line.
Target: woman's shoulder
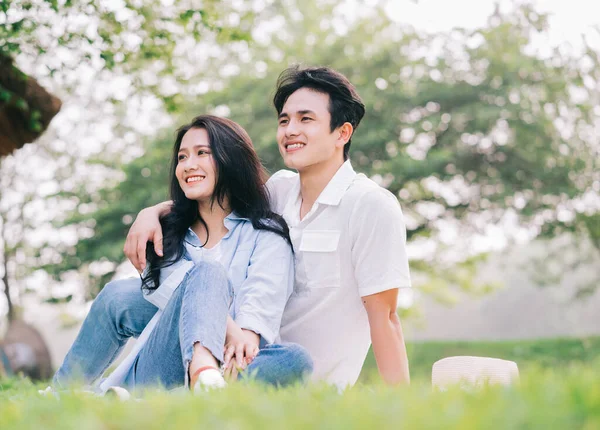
(259, 231)
(257, 226)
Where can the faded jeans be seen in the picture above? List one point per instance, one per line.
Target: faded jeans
(196, 312)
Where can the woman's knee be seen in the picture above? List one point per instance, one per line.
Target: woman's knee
(117, 295)
(209, 274)
(210, 269)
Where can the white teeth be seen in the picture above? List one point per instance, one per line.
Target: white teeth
(194, 179)
(295, 146)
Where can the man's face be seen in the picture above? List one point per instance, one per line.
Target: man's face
(304, 133)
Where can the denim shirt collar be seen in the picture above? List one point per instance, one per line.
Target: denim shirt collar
(230, 222)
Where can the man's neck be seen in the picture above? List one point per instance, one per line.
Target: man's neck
(313, 181)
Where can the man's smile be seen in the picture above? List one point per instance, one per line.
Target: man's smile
(294, 146)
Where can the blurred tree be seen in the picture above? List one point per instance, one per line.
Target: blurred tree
(14, 203)
(470, 129)
(100, 250)
(143, 40)
(98, 53)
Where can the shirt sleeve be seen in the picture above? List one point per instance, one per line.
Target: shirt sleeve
(379, 253)
(261, 298)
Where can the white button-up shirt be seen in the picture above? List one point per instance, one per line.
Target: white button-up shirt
(352, 243)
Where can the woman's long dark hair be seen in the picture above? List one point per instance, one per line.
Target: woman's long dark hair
(240, 179)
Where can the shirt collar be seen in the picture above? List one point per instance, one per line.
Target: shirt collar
(337, 186)
(230, 222)
(232, 218)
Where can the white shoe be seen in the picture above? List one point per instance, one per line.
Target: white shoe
(119, 392)
(49, 392)
(209, 379)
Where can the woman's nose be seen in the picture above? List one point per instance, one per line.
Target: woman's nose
(190, 164)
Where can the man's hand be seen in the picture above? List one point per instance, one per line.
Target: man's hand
(145, 228)
(241, 346)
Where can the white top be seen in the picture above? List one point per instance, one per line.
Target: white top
(352, 243)
(200, 253)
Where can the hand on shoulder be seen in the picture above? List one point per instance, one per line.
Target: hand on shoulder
(145, 228)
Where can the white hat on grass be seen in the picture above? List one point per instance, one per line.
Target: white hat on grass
(473, 372)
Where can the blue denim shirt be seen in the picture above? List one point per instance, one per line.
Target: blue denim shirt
(260, 265)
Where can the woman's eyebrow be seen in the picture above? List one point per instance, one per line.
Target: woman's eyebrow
(194, 147)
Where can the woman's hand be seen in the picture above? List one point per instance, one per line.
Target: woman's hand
(241, 346)
(145, 228)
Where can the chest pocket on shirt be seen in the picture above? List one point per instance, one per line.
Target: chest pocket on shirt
(321, 257)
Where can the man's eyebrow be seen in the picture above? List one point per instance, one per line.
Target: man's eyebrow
(300, 112)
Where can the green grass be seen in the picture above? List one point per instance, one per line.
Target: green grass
(545, 353)
(560, 390)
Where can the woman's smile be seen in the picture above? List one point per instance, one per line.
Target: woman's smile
(194, 179)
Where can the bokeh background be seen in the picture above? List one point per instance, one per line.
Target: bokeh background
(482, 117)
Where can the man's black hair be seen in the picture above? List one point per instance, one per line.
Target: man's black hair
(345, 105)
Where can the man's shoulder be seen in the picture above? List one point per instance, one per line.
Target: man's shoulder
(368, 192)
(282, 176)
(366, 200)
(279, 185)
(281, 182)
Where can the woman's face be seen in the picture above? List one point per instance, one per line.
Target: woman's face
(196, 170)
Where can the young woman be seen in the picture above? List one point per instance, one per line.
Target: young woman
(216, 295)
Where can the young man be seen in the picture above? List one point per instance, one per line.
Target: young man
(348, 234)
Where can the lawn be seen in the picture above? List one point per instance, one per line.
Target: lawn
(546, 353)
(561, 391)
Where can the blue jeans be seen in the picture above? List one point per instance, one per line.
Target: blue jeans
(197, 312)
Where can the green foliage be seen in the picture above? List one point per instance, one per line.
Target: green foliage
(142, 43)
(129, 38)
(483, 126)
(145, 180)
(159, 26)
(592, 226)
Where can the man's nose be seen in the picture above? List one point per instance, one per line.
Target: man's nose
(292, 128)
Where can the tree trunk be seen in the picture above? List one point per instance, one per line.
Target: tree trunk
(25, 107)
(11, 308)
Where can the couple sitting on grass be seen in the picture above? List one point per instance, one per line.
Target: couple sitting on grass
(281, 281)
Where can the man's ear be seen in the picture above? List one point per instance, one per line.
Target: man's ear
(344, 133)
